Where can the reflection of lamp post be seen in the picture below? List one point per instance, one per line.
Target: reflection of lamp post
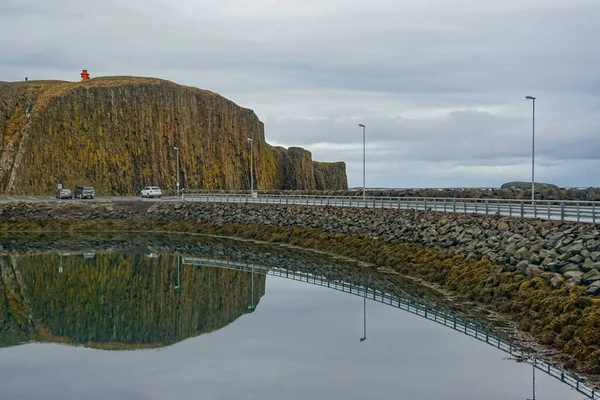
(251, 306)
(533, 365)
(362, 339)
(178, 265)
(60, 268)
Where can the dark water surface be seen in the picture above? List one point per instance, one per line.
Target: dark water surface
(119, 320)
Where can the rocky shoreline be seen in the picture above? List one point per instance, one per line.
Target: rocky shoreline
(565, 254)
(541, 275)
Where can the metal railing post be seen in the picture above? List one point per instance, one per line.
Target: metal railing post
(487, 211)
(562, 211)
(577, 211)
(522, 209)
(454, 205)
(593, 212)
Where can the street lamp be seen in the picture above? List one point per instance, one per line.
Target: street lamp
(177, 149)
(532, 151)
(251, 167)
(364, 144)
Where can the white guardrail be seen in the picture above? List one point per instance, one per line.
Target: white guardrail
(563, 210)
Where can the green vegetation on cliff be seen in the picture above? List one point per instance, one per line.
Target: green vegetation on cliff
(118, 133)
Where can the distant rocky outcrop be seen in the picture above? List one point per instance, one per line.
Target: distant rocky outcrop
(527, 185)
(118, 134)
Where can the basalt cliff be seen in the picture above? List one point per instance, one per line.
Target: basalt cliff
(118, 134)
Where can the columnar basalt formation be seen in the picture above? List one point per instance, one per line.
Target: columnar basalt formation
(118, 134)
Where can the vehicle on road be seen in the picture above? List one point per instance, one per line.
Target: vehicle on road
(84, 192)
(64, 194)
(151, 192)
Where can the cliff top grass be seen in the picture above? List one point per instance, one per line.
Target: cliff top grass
(54, 88)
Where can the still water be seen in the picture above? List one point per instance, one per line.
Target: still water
(119, 319)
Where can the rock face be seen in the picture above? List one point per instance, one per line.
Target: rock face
(527, 185)
(330, 175)
(117, 134)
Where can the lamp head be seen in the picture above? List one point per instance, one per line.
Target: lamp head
(249, 139)
(530, 98)
(175, 148)
(361, 125)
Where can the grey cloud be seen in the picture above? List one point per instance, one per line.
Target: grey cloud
(437, 84)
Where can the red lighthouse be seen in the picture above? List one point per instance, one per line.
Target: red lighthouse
(84, 75)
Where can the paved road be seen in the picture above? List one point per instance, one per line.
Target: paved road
(98, 198)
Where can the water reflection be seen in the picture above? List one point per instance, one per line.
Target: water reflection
(127, 297)
(118, 301)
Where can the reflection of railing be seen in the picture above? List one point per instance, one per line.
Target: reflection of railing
(564, 210)
(447, 320)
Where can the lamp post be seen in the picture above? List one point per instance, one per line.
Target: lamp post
(532, 150)
(177, 149)
(251, 167)
(364, 152)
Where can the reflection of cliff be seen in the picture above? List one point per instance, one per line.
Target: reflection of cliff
(117, 300)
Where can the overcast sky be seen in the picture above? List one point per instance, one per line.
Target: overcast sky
(440, 84)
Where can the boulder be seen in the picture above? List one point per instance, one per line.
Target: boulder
(522, 253)
(576, 259)
(591, 276)
(557, 281)
(585, 253)
(535, 259)
(588, 265)
(535, 248)
(534, 272)
(565, 256)
(522, 267)
(575, 247)
(502, 260)
(548, 275)
(570, 268)
(503, 226)
(576, 275)
(595, 255)
(593, 289)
